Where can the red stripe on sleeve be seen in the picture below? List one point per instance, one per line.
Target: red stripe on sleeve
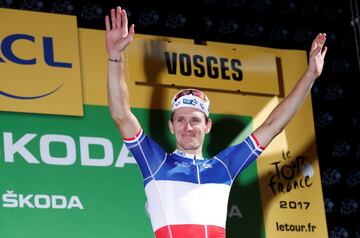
(133, 138)
(257, 142)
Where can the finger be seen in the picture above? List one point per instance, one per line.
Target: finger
(324, 36)
(124, 24)
(129, 37)
(113, 19)
(314, 52)
(118, 17)
(315, 43)
(321, 39)
(323, 53)
(131, 32)
(124, 19)
(107, 23)
(313, 46)
(317, 50)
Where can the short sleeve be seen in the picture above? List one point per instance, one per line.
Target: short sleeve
(147, 153)
(236, 158)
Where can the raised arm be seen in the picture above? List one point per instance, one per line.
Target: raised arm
(118, 37)
(282, 114)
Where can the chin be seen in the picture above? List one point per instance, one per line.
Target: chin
(190, 143)
(191, 146)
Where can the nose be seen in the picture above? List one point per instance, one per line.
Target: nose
(188, 126)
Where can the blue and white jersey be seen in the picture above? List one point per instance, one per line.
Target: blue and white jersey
(188, 196)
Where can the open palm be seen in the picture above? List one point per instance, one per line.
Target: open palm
(118, 35)
(317, 54)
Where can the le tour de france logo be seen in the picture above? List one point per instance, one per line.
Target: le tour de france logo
(40, 65)
(290, 173)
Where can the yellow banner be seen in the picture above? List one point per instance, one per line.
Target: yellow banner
(39, 63)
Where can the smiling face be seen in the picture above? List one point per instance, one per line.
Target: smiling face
(189, 125)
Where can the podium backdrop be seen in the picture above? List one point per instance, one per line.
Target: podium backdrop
(64, 171)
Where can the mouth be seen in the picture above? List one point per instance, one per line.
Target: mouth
(188, 138)
(188, 135)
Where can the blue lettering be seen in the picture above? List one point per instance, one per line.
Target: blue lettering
(6, 48)
(48, 46)
(190, 101)
(49, 54)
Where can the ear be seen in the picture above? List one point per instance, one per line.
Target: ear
(171, 127)
(208, 126)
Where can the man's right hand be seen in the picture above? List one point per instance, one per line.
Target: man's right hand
(118, 35)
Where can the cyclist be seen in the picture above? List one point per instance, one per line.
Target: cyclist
(187, 194)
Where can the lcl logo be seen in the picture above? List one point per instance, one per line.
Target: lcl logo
(9, 55)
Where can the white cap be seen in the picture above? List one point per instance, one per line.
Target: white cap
(191, 98)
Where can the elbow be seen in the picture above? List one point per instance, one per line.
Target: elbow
(275, 129)
(119, 119)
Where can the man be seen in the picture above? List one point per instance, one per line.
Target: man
(187, 195)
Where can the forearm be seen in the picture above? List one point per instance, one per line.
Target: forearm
(283, 113)
(118, 97)
(118, 94)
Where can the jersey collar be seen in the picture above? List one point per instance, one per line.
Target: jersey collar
(187, 155)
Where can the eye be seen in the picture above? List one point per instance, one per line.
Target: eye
(180, 119)
(196, 120)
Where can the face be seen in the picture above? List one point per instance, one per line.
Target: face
(189, 127)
